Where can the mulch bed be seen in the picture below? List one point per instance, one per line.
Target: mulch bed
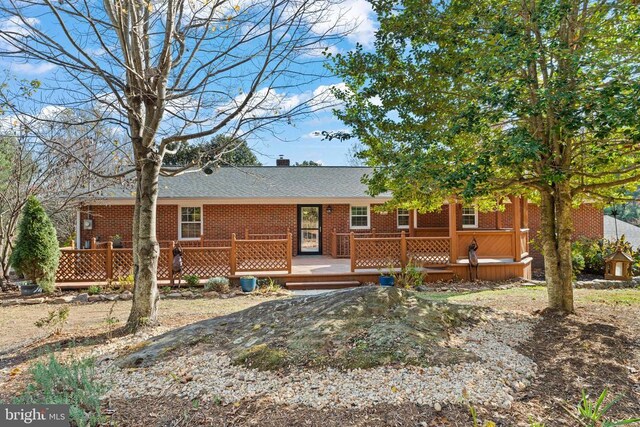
(591, 351)
(171, 412)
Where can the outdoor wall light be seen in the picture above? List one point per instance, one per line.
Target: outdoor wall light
(329, 209)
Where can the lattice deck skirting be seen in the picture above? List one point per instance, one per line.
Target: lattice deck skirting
(106, 263)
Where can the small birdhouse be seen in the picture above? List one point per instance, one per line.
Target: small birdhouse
(618, 266)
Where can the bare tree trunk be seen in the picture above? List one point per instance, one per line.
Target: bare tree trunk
(556, 231)
(144, 311)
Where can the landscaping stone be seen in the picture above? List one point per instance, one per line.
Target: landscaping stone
(126, 296)
(9, 302)
(187, 294)
(111, 297)
(422, 288)
(211, 294)
(174, 295)
(81, 298)
(94, 298)
(62, 300)
(33, 301)
(607, 284)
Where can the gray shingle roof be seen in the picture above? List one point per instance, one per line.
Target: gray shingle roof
(630, 231)
(260, 182)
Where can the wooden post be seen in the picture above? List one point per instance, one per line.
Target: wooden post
(170, 256)
(498, 219)
(334, 244)
(289, 251)
(525, 212)
(93, 243)
(517, 223)
(412, 222)
(246, 233)
(202, 241)
(352, 250)
(109, 261)
(403, 249)
(453, 231)
(232, 255)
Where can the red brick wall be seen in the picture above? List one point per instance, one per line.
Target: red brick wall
(118, 219)
(340, 217)
(486, 220)
(222, 220)
(435, 219)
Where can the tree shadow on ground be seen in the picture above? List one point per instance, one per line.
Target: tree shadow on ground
(576, 353)
(54, 343)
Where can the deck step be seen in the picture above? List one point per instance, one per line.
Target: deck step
(322, 285)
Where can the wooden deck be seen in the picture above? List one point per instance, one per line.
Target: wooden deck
(329, 272)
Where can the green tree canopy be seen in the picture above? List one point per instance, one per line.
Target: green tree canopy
(221, 149)
(308, 163)
(36, 252)
(482, 99)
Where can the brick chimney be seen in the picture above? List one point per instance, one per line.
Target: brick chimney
(282, 161)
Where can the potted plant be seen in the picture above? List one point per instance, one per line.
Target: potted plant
(117, 241)
(386, 279)
(248, 283)
(27, 289)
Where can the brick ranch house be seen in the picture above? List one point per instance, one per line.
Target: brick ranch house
(322, 213)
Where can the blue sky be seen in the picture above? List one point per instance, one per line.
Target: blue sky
(295, 140)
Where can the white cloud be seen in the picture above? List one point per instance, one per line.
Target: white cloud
(31, 68)
(268, 101)
(15, 26)
(324, 97)
(355, 16)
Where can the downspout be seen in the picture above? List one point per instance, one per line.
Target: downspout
(78, 228)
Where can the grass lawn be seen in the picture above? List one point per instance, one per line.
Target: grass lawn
(17, 322)
(535, 297)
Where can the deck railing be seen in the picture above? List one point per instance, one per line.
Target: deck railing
(393, 252)
(107, 263)
(340, 242)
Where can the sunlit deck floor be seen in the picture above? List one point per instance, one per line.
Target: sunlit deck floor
(311, 268)
(325, 265)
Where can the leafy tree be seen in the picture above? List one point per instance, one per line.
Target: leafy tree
(482, 99)
(36, 252)
(308, 163)
(221, 149)
(628, 211)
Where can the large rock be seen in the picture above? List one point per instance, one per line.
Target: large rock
(359, 328)
(81, 298)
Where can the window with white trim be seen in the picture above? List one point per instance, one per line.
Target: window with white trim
(359, 217)
(190, 222)
(403, 218)
(469, 217)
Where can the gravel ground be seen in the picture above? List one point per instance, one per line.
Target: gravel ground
(492, 380)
